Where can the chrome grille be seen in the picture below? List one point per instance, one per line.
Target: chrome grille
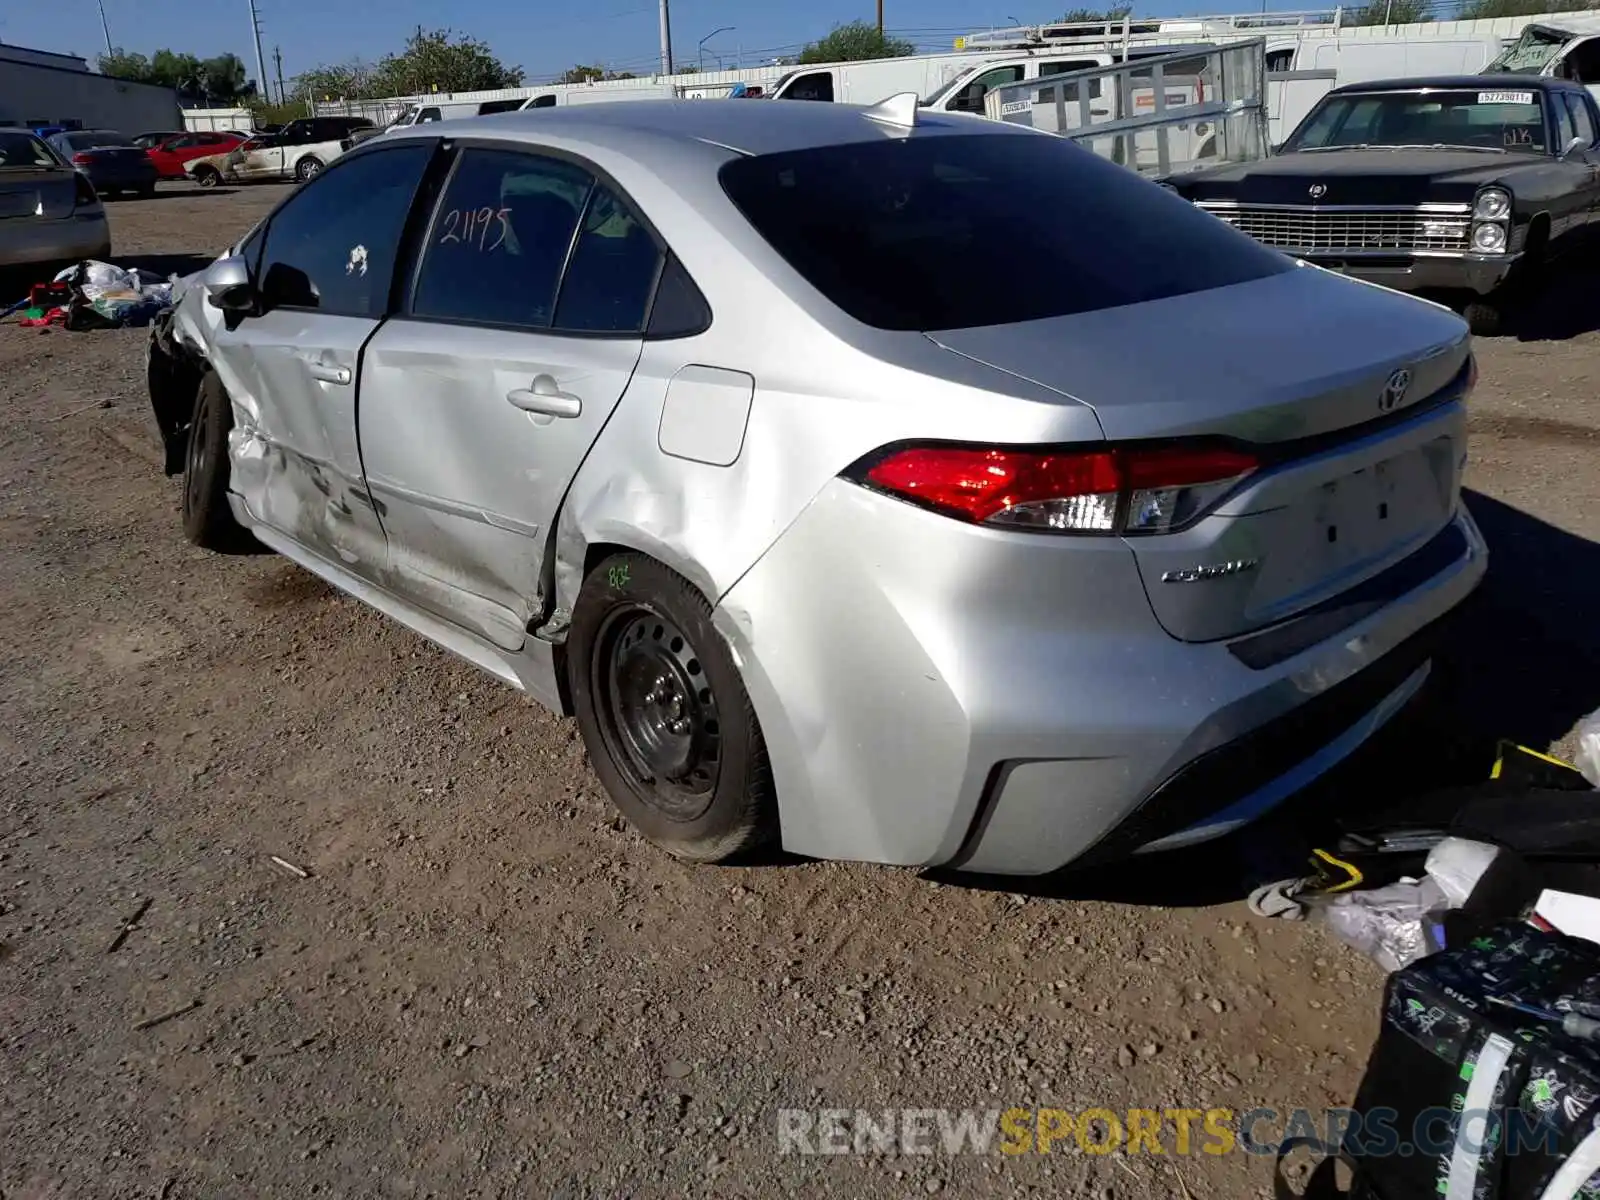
(1351, 229)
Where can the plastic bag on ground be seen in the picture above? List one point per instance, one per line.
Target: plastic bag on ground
(1457, 864)
(1390, 925)
(1589, 748)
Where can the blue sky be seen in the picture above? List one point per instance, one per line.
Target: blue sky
(544, 38)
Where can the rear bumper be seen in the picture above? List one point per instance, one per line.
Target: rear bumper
(24, 242)
(1480, 273)
(937, 695)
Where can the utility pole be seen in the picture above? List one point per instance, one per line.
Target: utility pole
(277, 57)
(880, 18)
(666, 40)
(261, 63)
(104, 27)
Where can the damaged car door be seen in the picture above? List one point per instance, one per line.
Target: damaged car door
(483, 394)
(323, 287)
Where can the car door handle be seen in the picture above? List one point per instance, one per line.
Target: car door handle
(546, 399)
(329, 372)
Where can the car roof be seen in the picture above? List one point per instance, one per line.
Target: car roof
(756, 127)
(1495, 82)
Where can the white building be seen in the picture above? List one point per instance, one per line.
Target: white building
(38, 88)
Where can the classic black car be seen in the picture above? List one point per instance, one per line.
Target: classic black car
(1465, 186)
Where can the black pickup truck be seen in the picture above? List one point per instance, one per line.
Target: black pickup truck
(1462, 186)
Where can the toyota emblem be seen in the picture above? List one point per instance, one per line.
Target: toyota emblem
(1394, 390)
(1318, 190)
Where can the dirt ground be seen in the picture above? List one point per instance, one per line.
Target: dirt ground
(486, 985)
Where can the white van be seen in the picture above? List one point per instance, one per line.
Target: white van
(598, 95)
(426, 112)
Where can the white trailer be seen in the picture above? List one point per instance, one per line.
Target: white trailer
(1160, 115)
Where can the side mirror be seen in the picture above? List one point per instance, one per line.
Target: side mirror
(1576, 143)
(228, 286)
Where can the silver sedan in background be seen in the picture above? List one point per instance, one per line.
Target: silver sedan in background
(49, 213)
(895, 486)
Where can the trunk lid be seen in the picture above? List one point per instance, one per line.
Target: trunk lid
(46, 194)
(1296, 364)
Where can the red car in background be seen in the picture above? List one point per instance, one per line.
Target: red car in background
(170, 155)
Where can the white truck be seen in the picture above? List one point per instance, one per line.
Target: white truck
(1565, 47)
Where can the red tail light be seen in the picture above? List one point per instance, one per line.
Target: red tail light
(83, 190)
(82, 159)
(1107, 490)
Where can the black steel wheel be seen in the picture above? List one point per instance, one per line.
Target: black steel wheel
(666, 718)
(207, 519)
(658, 715)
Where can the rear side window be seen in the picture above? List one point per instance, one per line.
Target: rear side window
(500, 238)
(952, 232)
(612, 272)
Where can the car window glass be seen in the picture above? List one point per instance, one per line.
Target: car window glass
(429, 114)
(679, 309)
(1582, 123)
(911, 234)
(1070, 90)
(332, 246)
(1583, 62)
(182, 143)
(1564, 128)
(970, 98)
(500, 237)
(612, 270)
(21, 150)
(818, 85)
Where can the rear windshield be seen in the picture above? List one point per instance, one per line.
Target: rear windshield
(93, 140)
(21, 150)
(951, 232)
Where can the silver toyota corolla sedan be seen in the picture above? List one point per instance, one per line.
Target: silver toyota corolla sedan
(895, 486)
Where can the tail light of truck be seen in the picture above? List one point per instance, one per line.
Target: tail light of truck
(1105, 490)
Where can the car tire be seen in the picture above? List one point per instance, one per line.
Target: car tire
(308, 168)
(1485, 318)
(208, 177)
(208, 522)
(147, 192)
(669, 726)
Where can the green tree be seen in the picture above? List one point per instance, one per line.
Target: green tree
(438, 60)
(582, 74)
(1084, 16)
(352, 80)
(854, 42)
(218, 80)
(122, 64)
(225, 79)
(1398, 12)
(1475, 9)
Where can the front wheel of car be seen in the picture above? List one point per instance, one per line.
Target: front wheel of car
(208, 522)
(308, 169)
(208, 177)
(668, 724)
(1485, 318)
